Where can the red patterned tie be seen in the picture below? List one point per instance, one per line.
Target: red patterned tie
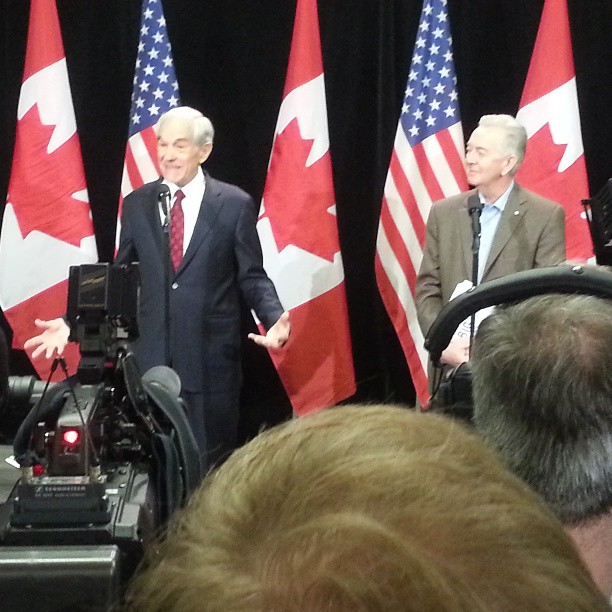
(177, 229)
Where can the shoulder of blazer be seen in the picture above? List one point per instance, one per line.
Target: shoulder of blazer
(456, 202)
(143, 195)
(227, 190)
(532, 199)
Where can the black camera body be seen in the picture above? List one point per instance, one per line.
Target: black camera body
(106, 456)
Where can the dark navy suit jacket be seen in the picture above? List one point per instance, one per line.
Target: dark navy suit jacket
(223, 260)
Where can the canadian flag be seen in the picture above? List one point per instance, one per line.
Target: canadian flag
(554, 164)
(47, 225)
(299, 234)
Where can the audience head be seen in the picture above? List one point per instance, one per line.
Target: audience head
(542, 387)
(364, 508)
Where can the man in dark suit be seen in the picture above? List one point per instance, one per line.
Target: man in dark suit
(216, 259)
(520, 230)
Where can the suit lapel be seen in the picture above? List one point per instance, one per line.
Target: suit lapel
(209, 211)
(511, 217)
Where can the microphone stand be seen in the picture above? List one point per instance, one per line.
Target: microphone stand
(164, 199)
(475, 211)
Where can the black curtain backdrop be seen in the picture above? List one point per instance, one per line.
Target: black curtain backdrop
(231, 58)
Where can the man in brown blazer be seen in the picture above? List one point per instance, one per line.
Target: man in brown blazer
(520, 230)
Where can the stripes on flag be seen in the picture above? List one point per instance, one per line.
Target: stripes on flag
(426, 165)
(155, 92)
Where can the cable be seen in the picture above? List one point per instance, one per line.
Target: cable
(29, 458)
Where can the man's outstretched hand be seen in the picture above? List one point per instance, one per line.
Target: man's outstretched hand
(277, 335)
(52, 341)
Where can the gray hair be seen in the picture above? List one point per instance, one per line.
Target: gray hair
(515, 138)
(203, 131)
(542, 388)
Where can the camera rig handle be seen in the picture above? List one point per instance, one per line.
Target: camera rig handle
(578, 279)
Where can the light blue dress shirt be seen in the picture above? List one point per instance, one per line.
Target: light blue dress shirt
(489, 220)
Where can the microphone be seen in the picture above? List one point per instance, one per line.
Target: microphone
(163, 196)
(474, 206)
(164, 377)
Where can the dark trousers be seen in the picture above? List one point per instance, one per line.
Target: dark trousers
(214, 422)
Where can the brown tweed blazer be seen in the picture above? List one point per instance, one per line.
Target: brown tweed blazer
(530, 234)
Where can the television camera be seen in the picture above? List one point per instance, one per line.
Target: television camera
(106, 456)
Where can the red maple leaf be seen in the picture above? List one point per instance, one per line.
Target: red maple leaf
(297, 197)
(540, 173)
(541, 165)
(42, 184)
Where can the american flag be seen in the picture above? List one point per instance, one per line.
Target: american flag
(155, 92)
(426, 165)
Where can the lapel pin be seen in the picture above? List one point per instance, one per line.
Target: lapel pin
(516, 212)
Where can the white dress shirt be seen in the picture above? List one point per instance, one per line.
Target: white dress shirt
(194, 192)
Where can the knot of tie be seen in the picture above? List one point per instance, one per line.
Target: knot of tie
(177, 230)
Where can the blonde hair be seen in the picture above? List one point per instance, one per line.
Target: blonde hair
(364, 508)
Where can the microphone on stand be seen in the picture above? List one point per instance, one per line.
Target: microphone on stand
(163, 197)
(474, 206)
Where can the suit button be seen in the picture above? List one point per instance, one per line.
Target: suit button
(175, 285)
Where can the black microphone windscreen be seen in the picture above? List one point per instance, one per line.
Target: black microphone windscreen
(163, 197)
(474, 204)
(164, 377)
(164, 191)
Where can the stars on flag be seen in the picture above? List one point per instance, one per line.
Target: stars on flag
(431, 104)
(430, 122)
(155, 83)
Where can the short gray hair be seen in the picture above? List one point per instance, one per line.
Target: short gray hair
(203, 131)
(542, 387)
(515, 139)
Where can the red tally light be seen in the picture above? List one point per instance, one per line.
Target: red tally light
(71, 437)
